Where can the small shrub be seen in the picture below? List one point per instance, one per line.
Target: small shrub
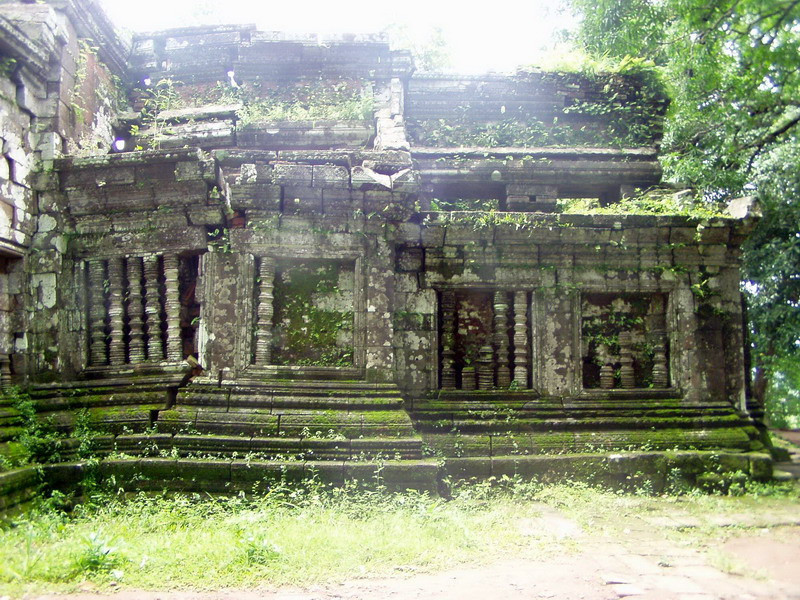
(97, 556)
(258, 550)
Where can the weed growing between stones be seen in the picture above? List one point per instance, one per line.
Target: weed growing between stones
(38, 440)
(308, 533)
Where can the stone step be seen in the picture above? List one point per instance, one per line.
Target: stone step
(237, 475)
(455, 444)
(542, 403)
(788, 469)
(258, 399)
(302, 372)
(503, 395)
(156, 398)
(107, 419)
(580, 423)
(276, 386)
(320, 423)
(653, 471)
(537, 412)
(133, 383)
(209, 446)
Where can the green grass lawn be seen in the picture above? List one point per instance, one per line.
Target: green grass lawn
(309, 535)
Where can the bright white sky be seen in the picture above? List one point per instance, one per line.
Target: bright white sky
(491, 36)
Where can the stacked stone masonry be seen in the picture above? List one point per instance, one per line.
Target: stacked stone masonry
(351, 256)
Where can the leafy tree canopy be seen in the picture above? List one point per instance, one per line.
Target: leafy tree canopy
(732, 69)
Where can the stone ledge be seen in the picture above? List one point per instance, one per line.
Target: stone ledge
(655, 472)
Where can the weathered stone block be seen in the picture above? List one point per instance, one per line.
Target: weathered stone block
(330, 176)
(205, 216)
(293, 175)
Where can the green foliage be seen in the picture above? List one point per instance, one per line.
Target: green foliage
(625, 111)
(430, 52)
(301, 534)
(732, 129)
(614, 28)
(772, 263)
(39, 440)
(219, 238)
(7, 66)
(305, 534)
(323, 99)
(464, 204)
(604, 330)
(310, 330)
(96, 555)
(486, 219)
(160, 97)
(783, 409)
(647, 202)
(572, 59)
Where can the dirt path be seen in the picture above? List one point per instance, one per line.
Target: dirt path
(749, 557)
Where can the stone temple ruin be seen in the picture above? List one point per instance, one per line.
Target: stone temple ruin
(370, 271)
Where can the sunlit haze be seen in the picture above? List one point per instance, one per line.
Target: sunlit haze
(493, 37)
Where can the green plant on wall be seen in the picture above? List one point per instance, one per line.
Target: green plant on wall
(604, 318)
(624, 110)
(604, 330)
(160, 97)
(339, 100)
(651, 201)
(464, 204)
(313, 316)
(7, 66)
(95, 99)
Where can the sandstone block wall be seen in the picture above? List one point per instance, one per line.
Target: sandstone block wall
(264, 204)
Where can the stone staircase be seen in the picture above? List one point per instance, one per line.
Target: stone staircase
(157, 433)
(459, 424)
(294, 419)
(153, 434)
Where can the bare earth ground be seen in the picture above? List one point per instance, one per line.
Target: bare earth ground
(749, 556)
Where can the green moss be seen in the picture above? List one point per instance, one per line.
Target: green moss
(305, 333)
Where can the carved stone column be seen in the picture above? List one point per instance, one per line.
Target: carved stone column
(5, 371)
(626, 375)
(172, 306)
(116, 312)
(660, 370)
(136, 299)
(152, 309)
(607, 376)
(448, 340)
(266, 277)
(97, 313)
(501, 339)
(468, 379)
(485, 368)
(521, 339)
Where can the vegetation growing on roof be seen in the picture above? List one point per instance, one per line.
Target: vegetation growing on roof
(654, 201)
(625, 110)
(338, 100)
